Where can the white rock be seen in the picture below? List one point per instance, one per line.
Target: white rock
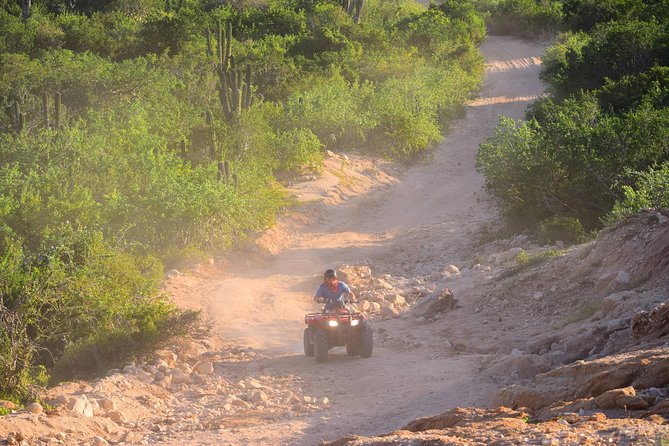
(516, 352)
(538, 295)
(452, 269)
(205, 368)
(81, 406)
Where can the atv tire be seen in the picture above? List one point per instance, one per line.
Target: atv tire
(366, 341)
(321, 345)
(353, 347)
(308, 343)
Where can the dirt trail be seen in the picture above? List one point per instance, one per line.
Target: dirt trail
(414, 227)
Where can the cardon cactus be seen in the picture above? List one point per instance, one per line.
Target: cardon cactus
(234, 85)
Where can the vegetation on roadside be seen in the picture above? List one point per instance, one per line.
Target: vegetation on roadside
(594, 149)
(134, 135)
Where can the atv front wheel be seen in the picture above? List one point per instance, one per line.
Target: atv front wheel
(308, 343)
(366, 341)
(321, 345)
(353, 347)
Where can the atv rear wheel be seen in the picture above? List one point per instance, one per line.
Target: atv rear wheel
(366, 341)
(308, 343)
(321, 345)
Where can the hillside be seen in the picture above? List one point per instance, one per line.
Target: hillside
(561, 342)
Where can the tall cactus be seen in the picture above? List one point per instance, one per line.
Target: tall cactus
(18, 121)
(45, 109)
(234, 85)
(353, 8)
(57, 110)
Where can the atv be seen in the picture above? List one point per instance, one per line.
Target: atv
(338, 327)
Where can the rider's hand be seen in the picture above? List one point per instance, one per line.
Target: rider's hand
(320, 300)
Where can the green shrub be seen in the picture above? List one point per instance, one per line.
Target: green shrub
(566, 229)
(528, 18)
(650, 191)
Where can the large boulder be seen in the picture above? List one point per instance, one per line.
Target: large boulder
(439, 301)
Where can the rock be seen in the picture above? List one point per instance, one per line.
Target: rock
(651, 324)
(258, 396)
(7, 405)
(623, 277)
(624, 398)
(365, 305)
(437, 302)
(452, 269)
(253, 384)
(506, 256)
(168, 356)
(375, 307)
(184, 367)
(205, 368)
(80, 406)
(117, 417)
(34, 408)
(398, 300)
(131, 437)
(99, 441)
(180, 377)
(389, 312)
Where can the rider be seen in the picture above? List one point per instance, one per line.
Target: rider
(332, 290)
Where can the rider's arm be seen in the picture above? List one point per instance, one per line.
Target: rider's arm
(319, 295)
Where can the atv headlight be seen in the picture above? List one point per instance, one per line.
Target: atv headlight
(333, 323)
(354, 322)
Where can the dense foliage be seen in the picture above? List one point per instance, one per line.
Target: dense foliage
(135, 134)
(595, 148)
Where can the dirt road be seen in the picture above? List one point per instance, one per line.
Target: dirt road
(411, 228)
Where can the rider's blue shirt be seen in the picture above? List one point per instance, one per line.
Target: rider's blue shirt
(333, 298)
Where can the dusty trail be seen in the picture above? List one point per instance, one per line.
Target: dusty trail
(414, 227)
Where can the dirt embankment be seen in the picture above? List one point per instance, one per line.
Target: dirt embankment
(563, 343)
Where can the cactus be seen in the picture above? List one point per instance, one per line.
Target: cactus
(57, 109)
(220, 172)
(226, 171)
(182, 144)
(209, 119)
(235, 180)
(358, 10)
(25, 9)
(353, 8)
(17, 117)
(234, 86)
(45, 109)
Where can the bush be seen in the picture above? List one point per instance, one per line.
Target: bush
(565, 229)
(611, 51)
(528, 18)
(650, 191)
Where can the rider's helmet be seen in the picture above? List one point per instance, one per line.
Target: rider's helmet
(330, 274)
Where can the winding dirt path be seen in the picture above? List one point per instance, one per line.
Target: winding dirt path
(413, 227)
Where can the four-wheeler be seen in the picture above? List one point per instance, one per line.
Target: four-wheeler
(334, 328)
